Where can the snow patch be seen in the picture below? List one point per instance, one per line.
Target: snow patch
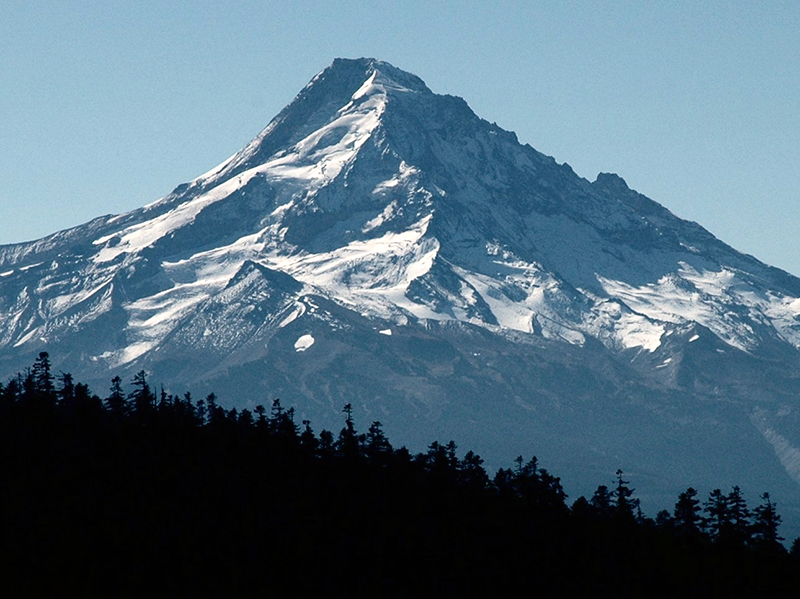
(365, 88)
(788, 455)
(298, 310)
(303, 343)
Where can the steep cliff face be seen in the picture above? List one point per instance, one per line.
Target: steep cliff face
(382, 245)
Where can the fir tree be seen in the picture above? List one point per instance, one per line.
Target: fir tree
(624, 503)
(42, 377)
(142, 396)
(765, 525)
(348, 445)
(602, 501)
(377, 445)
(115, 402)
(738, 530)
(687, 516)
(716, 520)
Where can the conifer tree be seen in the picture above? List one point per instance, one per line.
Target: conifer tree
(142, 395)
(66, 391)
(308, 440)
(664, 520)
(348, 443)
(326, 444)
(625, 505)
(472, 473)
(687, 517)
(377, 445)
(765, 525)
(215, 415)
(602, 500)
(716, 520)
(738, 531)
(42, 377)
(261, 411)
(115, 402)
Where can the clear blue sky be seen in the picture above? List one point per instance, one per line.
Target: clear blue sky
(107, 106)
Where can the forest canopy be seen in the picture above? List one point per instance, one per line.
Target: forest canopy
(142, 491)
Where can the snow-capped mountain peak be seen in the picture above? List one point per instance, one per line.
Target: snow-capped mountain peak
(403, 204)
(378, 229)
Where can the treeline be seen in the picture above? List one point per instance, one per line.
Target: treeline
(147, 493)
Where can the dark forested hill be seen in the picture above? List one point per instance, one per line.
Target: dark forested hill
(146, 493)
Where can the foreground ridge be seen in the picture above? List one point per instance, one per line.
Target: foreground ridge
(144, 493)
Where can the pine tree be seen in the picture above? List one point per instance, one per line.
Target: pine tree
(687, 516)
(716, 520)
(602, 501)
(664, 520)
(326, 446)
(142, 396)
(42, 377)
(66, 391)
(308, 440)
(765, 526)
(348, 445)
(377, 445)
(472, 473)
(738, 531)
(261, 412)
(115, 402)
(625, 505)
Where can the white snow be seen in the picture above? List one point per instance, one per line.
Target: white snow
(303, 343)
(363, 269)
(365, 88)
(788, 454)
(298, 309)
(712, 299)
(372, 275)
(312, 161)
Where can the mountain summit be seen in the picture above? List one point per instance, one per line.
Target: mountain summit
(381, 245)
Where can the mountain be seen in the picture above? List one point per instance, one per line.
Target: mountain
(381, 245)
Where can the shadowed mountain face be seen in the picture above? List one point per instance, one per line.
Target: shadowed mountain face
(382, 245)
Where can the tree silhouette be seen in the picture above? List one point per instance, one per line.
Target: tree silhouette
(602, 501)
(215, 501)
(348, 444)
(42, 377)
(687, 516)
(624, 503)
(738, 515)
(377, 445)
(765, 525)
(142, 396)
(715, 509)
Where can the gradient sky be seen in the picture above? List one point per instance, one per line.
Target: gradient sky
(108, 106)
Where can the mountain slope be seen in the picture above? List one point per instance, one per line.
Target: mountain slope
(382, 245)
